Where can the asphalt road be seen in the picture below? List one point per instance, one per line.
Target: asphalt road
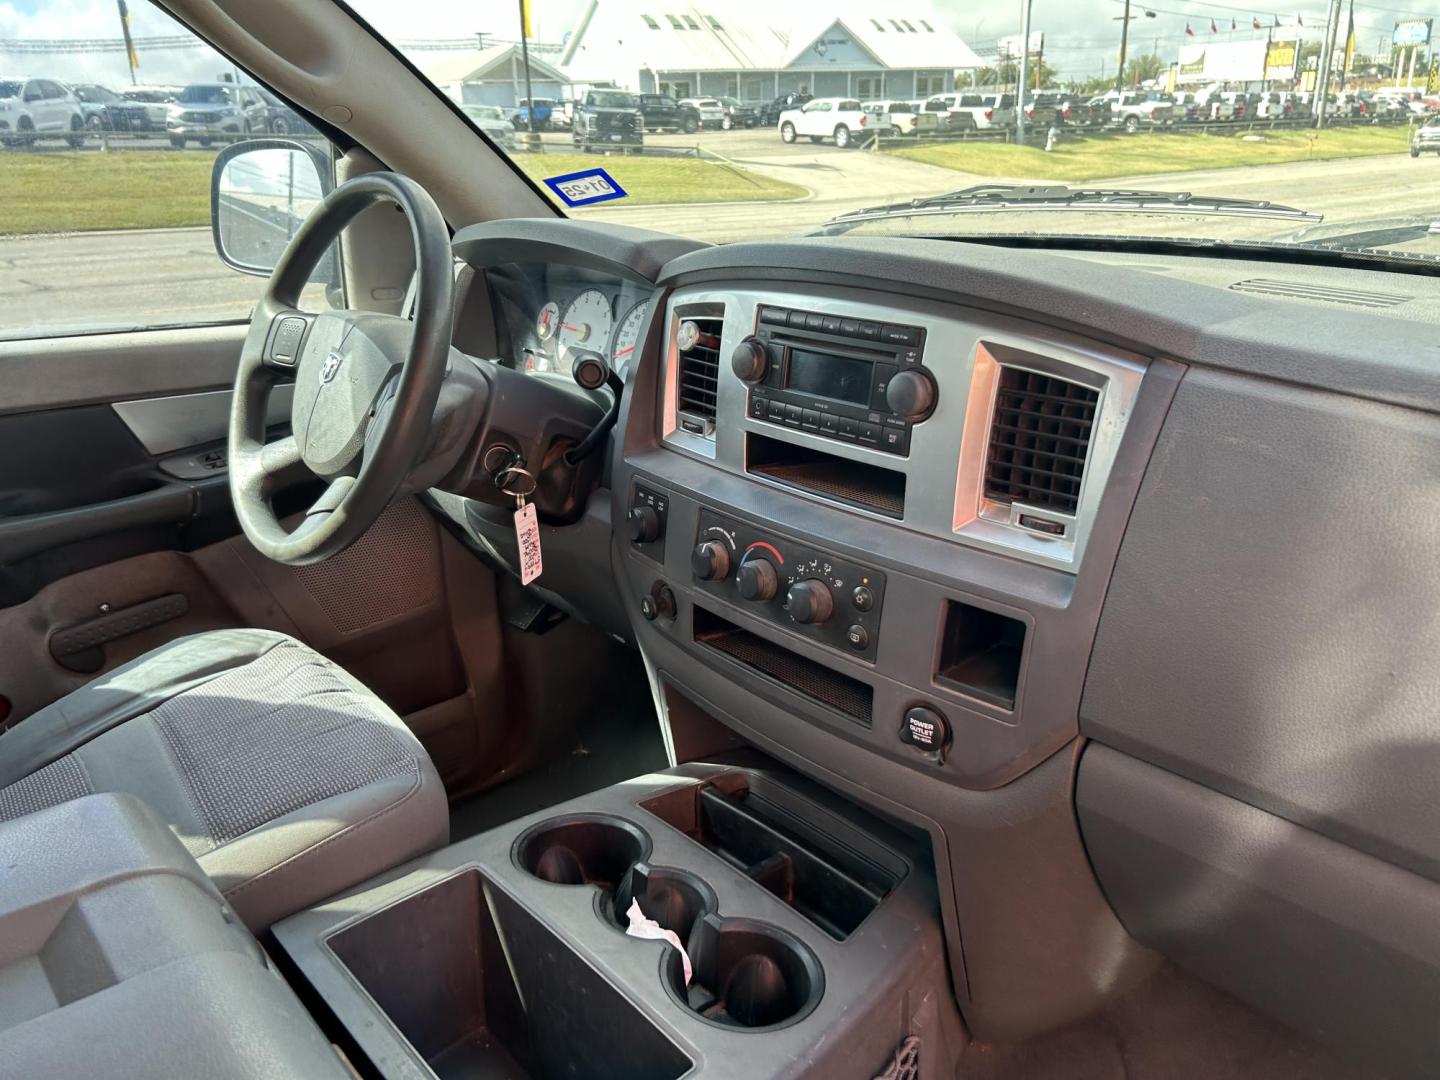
(173, 276)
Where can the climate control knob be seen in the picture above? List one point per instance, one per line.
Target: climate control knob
(749, 360)
(810, 601)
(911, 394)
(756, 579)
(710, 561)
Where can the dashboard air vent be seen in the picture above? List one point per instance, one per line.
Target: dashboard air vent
(1039, 438)
(1324, 294)
(700, 369)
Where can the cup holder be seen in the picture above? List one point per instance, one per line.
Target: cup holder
(746, 974)
(673, 898)
(590, 850)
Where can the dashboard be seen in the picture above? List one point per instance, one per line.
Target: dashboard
(549, 313)
(1050, 556)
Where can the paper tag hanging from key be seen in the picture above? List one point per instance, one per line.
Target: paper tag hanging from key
(527, 540)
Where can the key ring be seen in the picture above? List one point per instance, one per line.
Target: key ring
(516, 470)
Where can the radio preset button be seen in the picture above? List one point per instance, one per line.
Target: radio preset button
(828, 423)
(900, 335)
(777, 411)
(831, 325)
(814, 321)
(810, 420)
(870, 330)
(848, 429)
(870, 433)
(850, 327)
(774, 315)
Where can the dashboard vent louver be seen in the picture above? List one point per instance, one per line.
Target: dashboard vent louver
(1325, 294)
(1039, 439)
(700, 370)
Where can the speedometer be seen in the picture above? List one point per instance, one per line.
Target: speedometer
(586, 323)
(627, 337)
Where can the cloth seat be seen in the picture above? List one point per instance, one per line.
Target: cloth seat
(283, 775)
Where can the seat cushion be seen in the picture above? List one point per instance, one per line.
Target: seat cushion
(284, 776)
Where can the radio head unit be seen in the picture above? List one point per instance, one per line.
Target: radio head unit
(851, 380)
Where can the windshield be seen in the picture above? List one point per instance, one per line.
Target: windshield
(1231, 108)
(205, 95)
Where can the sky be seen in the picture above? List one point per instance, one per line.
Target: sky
(1082, 36)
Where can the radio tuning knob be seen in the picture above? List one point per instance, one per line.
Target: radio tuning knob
(810, 601)
(749, 360)
(756, 579)
(911, 393)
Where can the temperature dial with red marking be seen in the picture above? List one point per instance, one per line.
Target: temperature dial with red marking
(756, 579)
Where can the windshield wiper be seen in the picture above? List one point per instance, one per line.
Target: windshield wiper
(990, 197)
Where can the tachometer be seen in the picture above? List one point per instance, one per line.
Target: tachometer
(586, 323)
(627, 337)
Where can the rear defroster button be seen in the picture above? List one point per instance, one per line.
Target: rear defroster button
(925, 729)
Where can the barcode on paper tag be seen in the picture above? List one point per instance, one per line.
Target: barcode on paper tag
(527, 537)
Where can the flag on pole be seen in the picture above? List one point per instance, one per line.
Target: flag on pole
(1188, 31)
(1255, 23)
(1213, 28)
(130, 53)
(525, 19)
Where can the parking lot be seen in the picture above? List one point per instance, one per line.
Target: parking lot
(44, 276)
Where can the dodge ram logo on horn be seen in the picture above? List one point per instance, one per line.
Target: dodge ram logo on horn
(331, 366)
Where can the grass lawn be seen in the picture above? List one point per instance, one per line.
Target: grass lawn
(1131, 155)
(651, 180)
(117, 190)
(75, 192)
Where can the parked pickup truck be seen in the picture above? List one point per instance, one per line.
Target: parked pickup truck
(663, 113)
(900, 118)
(1132, 111)
(984, 110)
(608, 118)
(841, 119)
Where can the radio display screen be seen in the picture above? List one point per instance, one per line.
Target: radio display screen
(830, 376)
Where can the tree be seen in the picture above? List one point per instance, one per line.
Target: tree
(1143, 68)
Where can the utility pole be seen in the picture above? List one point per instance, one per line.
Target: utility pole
(130, 56)
(1024, 75)
(1125, 44)
(525, 59)
(1327, 51)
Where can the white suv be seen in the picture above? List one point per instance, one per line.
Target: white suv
(841, 119)
(33, 109)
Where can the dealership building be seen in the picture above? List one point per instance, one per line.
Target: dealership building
(754, 53)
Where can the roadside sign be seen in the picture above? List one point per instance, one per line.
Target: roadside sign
(1411, 32)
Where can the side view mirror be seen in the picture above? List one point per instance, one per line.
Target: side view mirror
(261, 191)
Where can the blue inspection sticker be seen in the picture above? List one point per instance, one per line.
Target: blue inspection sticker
(584, 188)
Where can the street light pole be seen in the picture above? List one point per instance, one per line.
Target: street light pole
(1124, 45)
(525, 59)
(1024, 75)
(1327, 50)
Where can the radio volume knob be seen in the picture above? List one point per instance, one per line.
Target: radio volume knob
(810, 601)
(911, 393)
(749, 360)
(710, 561)
(756, 579)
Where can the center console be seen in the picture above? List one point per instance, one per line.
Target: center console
(809, 930)
(890, 517)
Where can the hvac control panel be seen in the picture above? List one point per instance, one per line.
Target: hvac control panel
(826, 598)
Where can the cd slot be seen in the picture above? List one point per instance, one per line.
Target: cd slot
(805, 468)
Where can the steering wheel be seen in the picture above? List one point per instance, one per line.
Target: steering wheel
(366, 385)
